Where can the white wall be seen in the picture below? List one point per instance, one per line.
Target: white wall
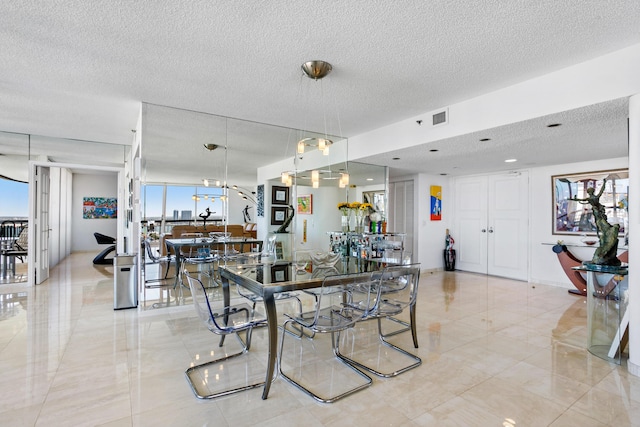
(84, 185)
(431, 234)
(544, 266)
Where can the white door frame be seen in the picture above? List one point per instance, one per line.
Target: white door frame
(31, 259)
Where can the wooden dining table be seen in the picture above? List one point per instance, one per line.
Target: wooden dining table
(268, 279)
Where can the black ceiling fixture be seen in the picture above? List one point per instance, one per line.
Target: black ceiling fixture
(554, 125)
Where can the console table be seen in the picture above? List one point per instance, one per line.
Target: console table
(568, 261)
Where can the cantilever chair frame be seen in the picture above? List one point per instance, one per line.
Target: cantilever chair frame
(386, 308)
(331, 319)
(158, 260)
(212, 320)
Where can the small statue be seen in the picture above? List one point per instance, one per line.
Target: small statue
(283, 227)
(607, 251)
(205, 215)
(245, 214)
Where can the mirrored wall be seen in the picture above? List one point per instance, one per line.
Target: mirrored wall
(231, 167)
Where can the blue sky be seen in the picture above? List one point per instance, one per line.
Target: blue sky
(179, 198)
(15, 199)
(15, 196)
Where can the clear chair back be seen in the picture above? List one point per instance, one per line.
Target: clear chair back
(200, 300)
(397, 288)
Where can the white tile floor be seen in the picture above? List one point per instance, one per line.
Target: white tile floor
(495, 352)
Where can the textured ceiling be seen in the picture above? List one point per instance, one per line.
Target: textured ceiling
(79, 69)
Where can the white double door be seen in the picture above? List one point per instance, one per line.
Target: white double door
(491, 224)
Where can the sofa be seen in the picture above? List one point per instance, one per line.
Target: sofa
(178, 231)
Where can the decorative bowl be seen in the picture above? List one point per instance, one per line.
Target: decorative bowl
(588, 240)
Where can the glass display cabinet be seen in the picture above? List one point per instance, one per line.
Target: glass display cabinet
(387, 247)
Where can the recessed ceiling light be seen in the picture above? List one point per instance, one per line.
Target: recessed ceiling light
(511, 160)
(485, 139)
(433, 150)
(369, 179)
(395, 158)
(554, 125)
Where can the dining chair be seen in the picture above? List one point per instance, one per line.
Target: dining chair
(244, 261)
(395, 289)
(156, 259)
(330, 316)
(19, 249)
(222, 321)
(322, 264)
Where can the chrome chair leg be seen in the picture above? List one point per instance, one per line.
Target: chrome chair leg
(408, 326)
(190, 379)
(416, 360)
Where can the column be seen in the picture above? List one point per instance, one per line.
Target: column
(634, 235)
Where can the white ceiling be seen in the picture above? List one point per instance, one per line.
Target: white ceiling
(78, 69)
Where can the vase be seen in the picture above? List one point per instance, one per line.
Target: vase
(345, 223)
(359, 224)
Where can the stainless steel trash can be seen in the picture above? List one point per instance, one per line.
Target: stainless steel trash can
(125, 281)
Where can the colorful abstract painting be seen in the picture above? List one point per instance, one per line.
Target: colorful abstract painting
(436, 203)
(305, 205)
(99, 207)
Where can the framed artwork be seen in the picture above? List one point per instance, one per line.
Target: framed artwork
(99, 207)
(575, 217)
(260, 201)
(279, 273)
(436, 203)
(305, 204)
(279, 251)
(375, 199)
(279, 195)
(278, 215)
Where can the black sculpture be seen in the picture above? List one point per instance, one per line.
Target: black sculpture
(245, 214)
(607, 251)
(283, 227)
(205, 215)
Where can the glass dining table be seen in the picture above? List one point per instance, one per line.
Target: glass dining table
(268, 279)
(224, 247)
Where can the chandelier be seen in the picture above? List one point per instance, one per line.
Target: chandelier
(244, 193)
(315, 70)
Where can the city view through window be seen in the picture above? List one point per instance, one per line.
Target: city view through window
(179, 201)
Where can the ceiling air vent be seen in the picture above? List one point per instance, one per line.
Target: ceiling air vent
(440, 118)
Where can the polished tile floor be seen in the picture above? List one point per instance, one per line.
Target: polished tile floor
(495, 352)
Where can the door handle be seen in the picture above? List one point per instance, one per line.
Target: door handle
(484, 230)
(490, 229)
